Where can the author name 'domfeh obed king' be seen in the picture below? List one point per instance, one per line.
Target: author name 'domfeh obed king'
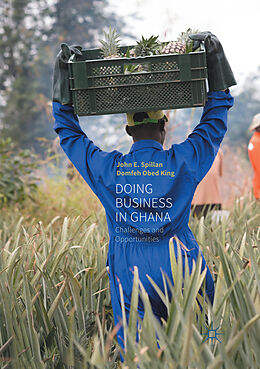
(143, 165)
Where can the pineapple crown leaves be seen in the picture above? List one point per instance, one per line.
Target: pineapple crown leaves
(184, 38)
(127, 54)
(148, 46)
(110, 46)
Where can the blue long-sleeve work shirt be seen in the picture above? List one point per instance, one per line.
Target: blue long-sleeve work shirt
(147, 172)
(146, 193)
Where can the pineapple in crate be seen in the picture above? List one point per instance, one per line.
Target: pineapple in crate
(184, 39)
(182, 45)
(110, 45)
(152, 46)
(145, 47)
(110, 50)
(173, 47)
(148, 46)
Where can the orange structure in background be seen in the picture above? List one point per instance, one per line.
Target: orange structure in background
(254, 154)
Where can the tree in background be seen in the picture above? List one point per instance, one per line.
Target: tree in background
(18, 45)
(79, 22)
(30, 34)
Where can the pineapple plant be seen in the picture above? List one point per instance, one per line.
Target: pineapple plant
(110, 46)
(147, 46)
(131, 68)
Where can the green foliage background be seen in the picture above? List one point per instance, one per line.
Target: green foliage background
(30, 34)
(17, 179)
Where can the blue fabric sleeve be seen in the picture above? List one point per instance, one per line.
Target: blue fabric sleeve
(90, 160)
(200, 148)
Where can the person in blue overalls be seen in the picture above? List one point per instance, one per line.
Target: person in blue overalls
(147, 193)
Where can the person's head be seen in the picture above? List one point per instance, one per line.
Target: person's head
(147, 126)
(255, 125)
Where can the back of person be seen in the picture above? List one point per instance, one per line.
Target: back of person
(162, 203)
(147, 193)
(149, 188)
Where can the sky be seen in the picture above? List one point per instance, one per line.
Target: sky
(234, 22)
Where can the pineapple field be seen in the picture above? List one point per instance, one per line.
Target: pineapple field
(55, 308)
(55, 297)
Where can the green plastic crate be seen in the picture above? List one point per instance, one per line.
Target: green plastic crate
(102, 86)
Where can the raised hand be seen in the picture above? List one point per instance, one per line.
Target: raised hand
(220, 75)
(61, 90)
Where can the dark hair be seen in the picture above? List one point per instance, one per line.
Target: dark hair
(139, 117)
(146, 127)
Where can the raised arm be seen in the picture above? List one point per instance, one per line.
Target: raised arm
(200, 148)
(90, 160)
